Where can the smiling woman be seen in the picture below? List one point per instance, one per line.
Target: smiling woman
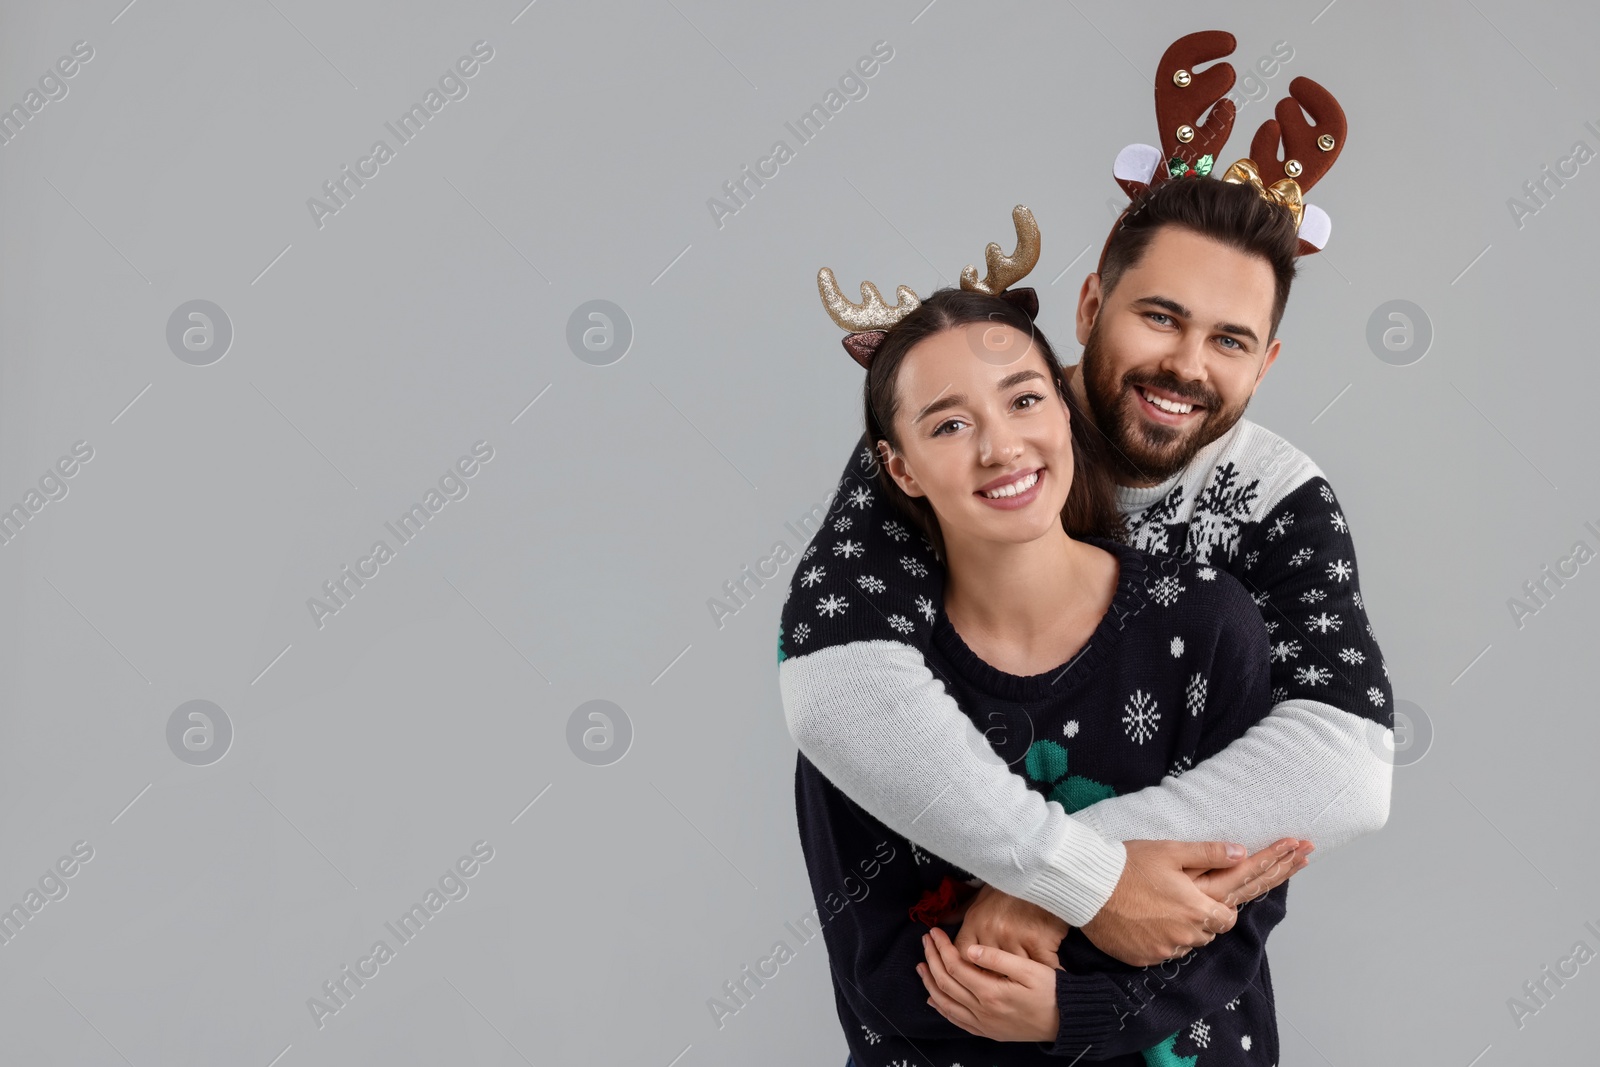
(1053, 633)
(950, 327)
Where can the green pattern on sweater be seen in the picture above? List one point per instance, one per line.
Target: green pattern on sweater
(1046, 763)
(1164, 1055)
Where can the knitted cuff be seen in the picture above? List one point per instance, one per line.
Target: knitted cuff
(1088, 1018)
(1080, 876)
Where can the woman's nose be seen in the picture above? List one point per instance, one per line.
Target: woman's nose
(1001, 447)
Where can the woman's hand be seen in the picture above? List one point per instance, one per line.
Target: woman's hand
(1009, 998)
(1022, 928)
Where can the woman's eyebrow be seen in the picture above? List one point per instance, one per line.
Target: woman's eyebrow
(954, 400)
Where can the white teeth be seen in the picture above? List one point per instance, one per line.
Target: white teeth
(1167, 405)
(1022, 485)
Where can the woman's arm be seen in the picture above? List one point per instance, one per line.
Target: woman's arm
(1112, 1014)
(1104, 1013)
(865, 881)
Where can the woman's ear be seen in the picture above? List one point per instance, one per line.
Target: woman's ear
(895, 464)
(883, 452)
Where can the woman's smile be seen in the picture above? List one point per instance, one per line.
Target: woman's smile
(1019, 492)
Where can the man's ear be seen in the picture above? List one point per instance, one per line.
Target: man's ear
(1266, 364)
(1088, 307)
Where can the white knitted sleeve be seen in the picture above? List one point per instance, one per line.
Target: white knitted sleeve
(874, 719)
(1272, 781)
(881, 727)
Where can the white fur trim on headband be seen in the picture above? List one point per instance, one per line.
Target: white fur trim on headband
(1137, 163)
(1315, 225)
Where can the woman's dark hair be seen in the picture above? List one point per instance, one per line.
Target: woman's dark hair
(1232, 213)
(1091, 508)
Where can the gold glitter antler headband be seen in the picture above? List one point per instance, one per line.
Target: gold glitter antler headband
(1189, 147)
(872, 313)
(870, 321)
(1006, 270)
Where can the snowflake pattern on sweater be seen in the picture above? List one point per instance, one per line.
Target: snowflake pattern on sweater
(1116, 718)
(1249, 504)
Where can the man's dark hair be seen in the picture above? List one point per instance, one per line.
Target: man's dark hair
(1234, 214)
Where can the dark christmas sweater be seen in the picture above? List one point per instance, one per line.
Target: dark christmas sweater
(856, 637)
(1176, 669)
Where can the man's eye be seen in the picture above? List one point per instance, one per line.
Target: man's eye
(1234, 341)
(1157, 315)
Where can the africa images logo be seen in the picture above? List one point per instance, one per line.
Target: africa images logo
(452, 86)
(341, 589)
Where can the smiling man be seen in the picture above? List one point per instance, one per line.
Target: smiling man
(1164, 397)
(1179, 327)
(1181, 376)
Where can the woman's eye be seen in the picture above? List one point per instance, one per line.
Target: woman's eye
(939, 429)
(1035, 397)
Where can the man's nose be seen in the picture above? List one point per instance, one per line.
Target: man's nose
(1185, 359)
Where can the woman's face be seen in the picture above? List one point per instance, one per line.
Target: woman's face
(986, 440)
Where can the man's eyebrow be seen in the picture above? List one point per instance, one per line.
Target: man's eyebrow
(1182, 312)
(954, 400)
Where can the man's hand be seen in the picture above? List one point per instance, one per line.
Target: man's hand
(1257, 875)
(1174, 896)
(998, 920)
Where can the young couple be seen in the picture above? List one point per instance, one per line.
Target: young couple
(1070, 635)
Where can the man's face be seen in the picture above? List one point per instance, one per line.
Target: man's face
(1173, 355)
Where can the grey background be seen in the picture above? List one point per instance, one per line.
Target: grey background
(369, 354)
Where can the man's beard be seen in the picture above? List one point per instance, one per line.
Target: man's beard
(1141, 450)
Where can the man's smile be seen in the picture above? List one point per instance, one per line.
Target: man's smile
(1164, 407)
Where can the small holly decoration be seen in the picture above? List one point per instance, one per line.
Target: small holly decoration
(1177, 168)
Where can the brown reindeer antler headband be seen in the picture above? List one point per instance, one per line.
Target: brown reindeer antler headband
(870, 321)
(1189, 147)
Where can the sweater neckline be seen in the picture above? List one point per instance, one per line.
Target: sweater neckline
(1131, 570)
(1132, 498)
